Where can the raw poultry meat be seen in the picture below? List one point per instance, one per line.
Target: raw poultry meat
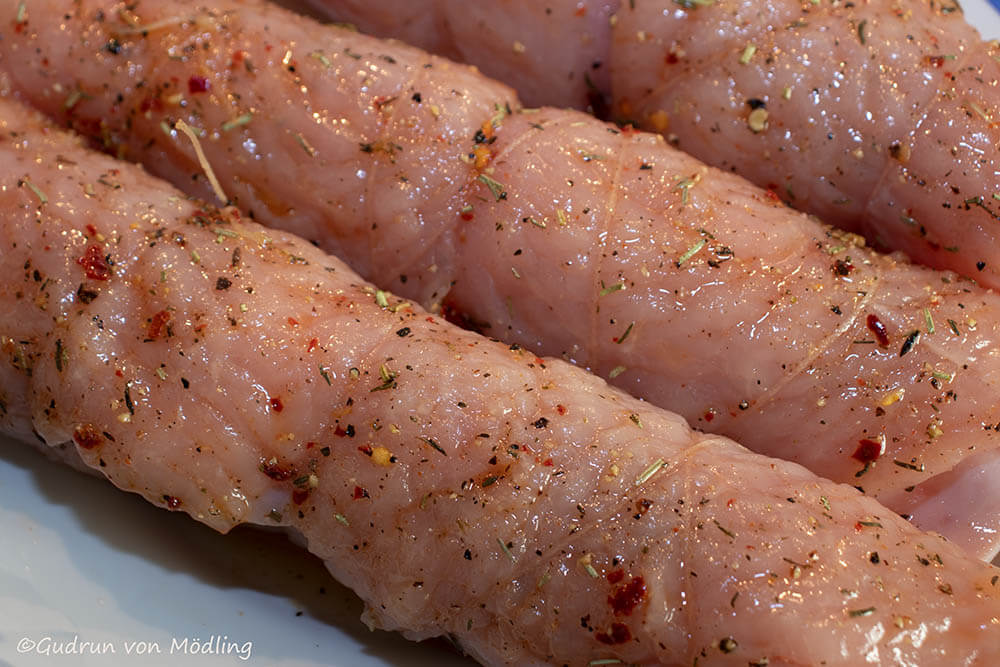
(460, 485)
(879, 116)
(683, 284)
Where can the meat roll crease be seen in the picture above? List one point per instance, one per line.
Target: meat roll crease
(880, 116)
(682, 284)
(461, 486)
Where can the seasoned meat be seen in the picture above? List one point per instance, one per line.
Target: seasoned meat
(461, 486)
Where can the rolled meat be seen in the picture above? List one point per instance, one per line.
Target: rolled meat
(461, 486)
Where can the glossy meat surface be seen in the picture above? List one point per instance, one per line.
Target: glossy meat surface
(461, 486)
(685, 285)
(880, 117)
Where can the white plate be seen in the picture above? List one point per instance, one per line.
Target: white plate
(82, 561)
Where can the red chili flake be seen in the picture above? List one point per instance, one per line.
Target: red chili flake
(365, 449)
(87, 436)
(312, 345)
(95, 264)
(619, 635)
(709, 415)
(299, 496)
(292, 322)
(614, 576)
(275, 471)
(342, 432)
(547, 462)
(156, 324)
(867, 451)
(626, 598)
(730, 503)
(466, 215)
(842, 268)
(360, 493)
(91, 230)
(310, 444)
(198, 84)
(276, 404)
(561, 409)
(936, 61)
(876, 327)
(581, 10)
(172, 501)
(672, 58)
(771, 194)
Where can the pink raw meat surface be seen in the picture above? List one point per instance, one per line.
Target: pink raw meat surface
(683, 284)
(879, 116)
(459, 485)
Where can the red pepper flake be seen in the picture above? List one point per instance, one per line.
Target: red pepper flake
(172, 502)
(276, 404)
(561, 409)
(275, 471)
(614, 576)
(344, 432)
(360, 492)
(771, 194)
(198, 84)
(547, 462)
(87, 436)
(876, 327)
(299, 496)
(672, 58)
(626, 598)
(95, 264)
(619, 634)
(365, 449)
(709, 415)
(157, 324)
(91, 230)
(868, 451)
(466, 215)
(292, 322)
(310, 444)
(312, 345)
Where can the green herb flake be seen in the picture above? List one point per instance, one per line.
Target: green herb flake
(616, 371)
(325, 373)
(855, 613)
(239, 121)
(436, 446)
(606, 290)
(388, 379)
(506, 550)
(928, 321)
(621, 339)
(635, 420)
(42, 199)
(909, 466)
(691, 252)
(306, 146)
(861, 31)
(649, 472)
(748, 52)
(728, 533)
(954, 327)
(342, 519)
(381, 299)
(497, 189)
